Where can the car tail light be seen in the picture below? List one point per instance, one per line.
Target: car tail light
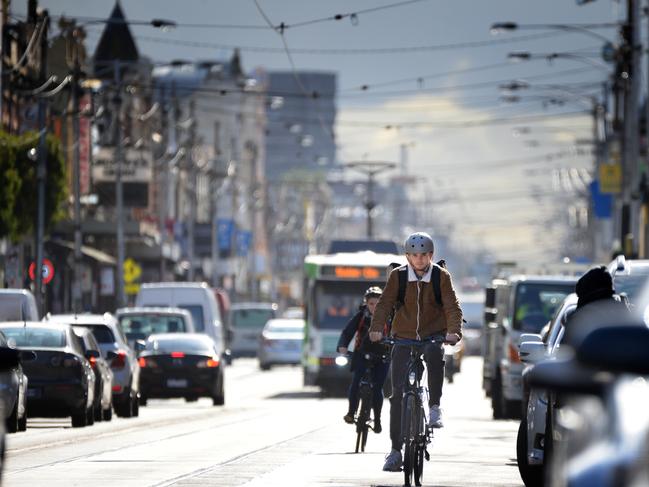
(119, 362)
(147, 363)
(93, 361)
(209, 363)
(327, 361)
(514, 356)
(177, 355)
(117, 388)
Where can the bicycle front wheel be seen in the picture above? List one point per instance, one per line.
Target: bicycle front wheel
(419, 464)
(409, 462)
(409, 432)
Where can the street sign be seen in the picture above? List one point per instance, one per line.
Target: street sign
(132, 273)
(47, 271)
(610, 178)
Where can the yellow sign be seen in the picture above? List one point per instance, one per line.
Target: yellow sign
(610, 178)
(132, 271)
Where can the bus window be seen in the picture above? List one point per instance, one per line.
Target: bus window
(337, 302)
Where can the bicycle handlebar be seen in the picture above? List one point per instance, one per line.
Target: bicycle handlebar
(408, 342)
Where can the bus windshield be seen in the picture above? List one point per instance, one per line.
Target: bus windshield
(337, 302)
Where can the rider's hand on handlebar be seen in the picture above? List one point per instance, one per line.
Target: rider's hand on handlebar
(342, 350)
(452, 338)
(376, 336)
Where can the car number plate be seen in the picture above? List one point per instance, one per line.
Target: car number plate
(34, 393)
(176, 382)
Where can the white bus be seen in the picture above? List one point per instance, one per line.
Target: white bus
(333, 291)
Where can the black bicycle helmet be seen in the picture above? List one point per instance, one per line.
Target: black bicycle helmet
(373, 292)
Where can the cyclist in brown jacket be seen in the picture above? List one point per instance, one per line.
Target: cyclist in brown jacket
(419, 318)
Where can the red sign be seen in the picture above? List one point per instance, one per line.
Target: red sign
(47, 272)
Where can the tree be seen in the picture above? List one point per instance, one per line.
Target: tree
(18, 193)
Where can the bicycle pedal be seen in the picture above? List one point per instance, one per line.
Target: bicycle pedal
(427, 455)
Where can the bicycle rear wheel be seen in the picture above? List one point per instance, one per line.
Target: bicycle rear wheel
(409, 463)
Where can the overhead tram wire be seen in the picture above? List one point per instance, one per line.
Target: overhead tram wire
(354, 51)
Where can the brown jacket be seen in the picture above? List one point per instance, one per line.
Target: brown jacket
(413, 321)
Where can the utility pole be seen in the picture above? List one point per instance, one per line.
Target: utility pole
(629, 221)
(163, 186)
(191, 190)
(119, 196)
(371, 169)
(76, 177)
(41, 170)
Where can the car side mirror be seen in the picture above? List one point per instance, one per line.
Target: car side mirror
(531, 352)
(27, 356)
(139, 345)
(92, 354)
(110, 355)
(9, 358)
(529, 337)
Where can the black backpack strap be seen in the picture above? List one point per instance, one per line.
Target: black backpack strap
(403, 282)
(437, 287)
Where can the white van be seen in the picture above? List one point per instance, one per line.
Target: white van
(197, 298)
(18, 305)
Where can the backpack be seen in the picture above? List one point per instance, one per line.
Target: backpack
(435, 281)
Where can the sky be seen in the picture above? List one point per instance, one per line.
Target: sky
(487, 187)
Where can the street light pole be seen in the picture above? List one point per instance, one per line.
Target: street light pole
(119, 195)
(76, 178)
(371, 169)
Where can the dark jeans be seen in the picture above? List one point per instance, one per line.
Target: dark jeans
(434, 357)
(379, 374)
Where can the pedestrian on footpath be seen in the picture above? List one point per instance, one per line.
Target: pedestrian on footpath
(418, 317)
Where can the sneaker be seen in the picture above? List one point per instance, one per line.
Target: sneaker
(435, 418)
(348, 418)
(392, 461)
(377, 426)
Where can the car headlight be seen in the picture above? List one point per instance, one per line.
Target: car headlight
(341, 361)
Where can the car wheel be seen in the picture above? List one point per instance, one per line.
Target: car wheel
(91, 416)
(219, 398)
(496, 398)
(22, 423)
(264, 366)
(135, 406)
(532, 475)
(12, 420)
(98, 413)
(107, 414)
(125, 409)
(80, 419)
(143, 400)
(191, 398)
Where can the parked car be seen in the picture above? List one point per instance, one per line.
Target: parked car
(197, 298)
(13, 388)
(524, 304)
(281, 342)
(61, 380)
(139, 323)
(126, 371)
(103, 405)
(247, 321)
(473, 312)
(533, 430)
(17, 304)
(601, 433)
(10, 358)
(182, 365)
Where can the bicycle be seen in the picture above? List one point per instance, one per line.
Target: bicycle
(414, 410)
(365, 394)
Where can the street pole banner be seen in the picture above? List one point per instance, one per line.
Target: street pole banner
(610, 178)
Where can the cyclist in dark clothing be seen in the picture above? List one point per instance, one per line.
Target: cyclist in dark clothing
(358, 327)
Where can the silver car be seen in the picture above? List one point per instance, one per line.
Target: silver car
(125, 367)
(281, 342)
(13, 389)
(141, 322)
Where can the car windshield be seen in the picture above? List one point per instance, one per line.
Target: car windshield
(102, 333)
(196, 310)
(140, 326)
(21, 336)
(536, 303)
(195, 345)
(251, 318)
